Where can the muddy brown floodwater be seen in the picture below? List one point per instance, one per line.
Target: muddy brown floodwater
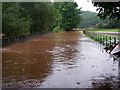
(58, 60)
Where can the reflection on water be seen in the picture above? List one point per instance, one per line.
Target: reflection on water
(65, 59)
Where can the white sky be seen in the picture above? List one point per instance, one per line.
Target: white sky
(86, 5)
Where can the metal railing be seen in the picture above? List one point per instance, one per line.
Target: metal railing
(108, 41)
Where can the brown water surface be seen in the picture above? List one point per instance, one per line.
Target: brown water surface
(65, 59)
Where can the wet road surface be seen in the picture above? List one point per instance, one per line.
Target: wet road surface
(58, 60)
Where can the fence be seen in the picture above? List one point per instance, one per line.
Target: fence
(7, 40)
(109, 42)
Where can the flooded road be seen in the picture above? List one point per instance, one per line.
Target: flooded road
(58, 60)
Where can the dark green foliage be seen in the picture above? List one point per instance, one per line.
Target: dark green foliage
(68, 15)
(43, 17)
(111, 24)
(21, 19)
(12, 23)
(100, 25)
(90, 20)
(108, 9)
(25, 18)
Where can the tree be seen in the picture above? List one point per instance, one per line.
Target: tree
(40, 14)
(113, 24)
(58, 16)
(24, 18)
(108, 9)
(12, 23)
(90, 19)
(43, 17)
(68, 15)
(20, 19)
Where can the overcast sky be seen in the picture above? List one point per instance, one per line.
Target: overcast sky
(86, 5)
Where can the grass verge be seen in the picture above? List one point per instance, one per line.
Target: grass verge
(106, 30)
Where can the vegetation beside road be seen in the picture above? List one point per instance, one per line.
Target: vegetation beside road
(26, 18)
(21, 19)
(108, 41)
(106, 30)
(113, 33)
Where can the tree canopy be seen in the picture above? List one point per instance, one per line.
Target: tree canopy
(12, 22)
(68, 15)
(108, 9)
(90, 20)
(25, 18)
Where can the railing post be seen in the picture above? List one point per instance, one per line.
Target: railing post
(103, 40)
(100, 38)
(115, 41)
(106, 41)
(110, 41)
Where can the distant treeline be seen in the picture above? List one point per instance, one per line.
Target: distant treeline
(91, 20)
(26, 18)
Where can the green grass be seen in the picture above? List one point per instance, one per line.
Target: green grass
(107, 30)
(101, 39)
